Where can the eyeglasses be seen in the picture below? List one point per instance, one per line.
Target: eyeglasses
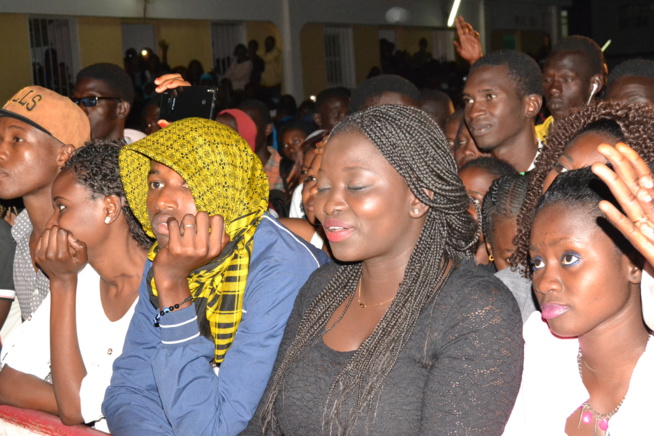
(91, 101)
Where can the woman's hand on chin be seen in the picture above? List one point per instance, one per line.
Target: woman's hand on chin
(59, 255)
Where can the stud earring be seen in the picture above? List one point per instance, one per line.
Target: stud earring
(107, 219)
(416, 211)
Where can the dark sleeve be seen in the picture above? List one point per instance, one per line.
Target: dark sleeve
(7, 250)
(314, 285)
(476, 374)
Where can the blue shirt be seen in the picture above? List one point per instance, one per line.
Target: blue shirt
(163, 382)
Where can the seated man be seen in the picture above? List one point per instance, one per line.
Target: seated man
(502, 97)
(632, 82)
(39, 130)
(217, 291)
(574, 72)
(105, 93)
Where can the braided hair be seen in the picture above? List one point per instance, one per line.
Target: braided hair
(635, 126)
(415, 146)
(95, 167)
(503, 200)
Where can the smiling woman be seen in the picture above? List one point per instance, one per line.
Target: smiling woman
(586, 277)
(374, 345)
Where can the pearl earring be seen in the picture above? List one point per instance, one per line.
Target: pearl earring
(107, 219)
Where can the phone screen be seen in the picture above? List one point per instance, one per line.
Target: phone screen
(189, 101)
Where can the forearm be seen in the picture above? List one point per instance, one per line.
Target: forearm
(68, 368)
(27, 391)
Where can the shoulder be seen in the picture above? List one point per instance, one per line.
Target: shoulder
(314, 285)
(273, 241)
(468, 280)
(300, 227)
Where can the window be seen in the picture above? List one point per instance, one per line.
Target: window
(224, 38)
(339, 57)
(53, 60)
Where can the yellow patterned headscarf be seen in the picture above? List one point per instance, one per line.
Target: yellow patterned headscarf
(225, 178)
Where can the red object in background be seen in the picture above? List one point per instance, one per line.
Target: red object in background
(14, 420)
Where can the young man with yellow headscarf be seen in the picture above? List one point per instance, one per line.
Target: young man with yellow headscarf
(217, 290)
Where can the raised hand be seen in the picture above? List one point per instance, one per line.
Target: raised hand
(469, 45)
(632, 184)
(165, 82)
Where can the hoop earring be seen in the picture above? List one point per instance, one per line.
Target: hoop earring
(491, 258)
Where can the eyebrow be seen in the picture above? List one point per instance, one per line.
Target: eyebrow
(556, 242)
(567, 157)
(151, 172)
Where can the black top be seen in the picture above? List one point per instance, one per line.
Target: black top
(458, 374)
(7, 249)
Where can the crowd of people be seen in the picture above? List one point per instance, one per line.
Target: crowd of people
(381, 261)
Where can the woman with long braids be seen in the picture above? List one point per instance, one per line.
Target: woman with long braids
(405, 336)
(572, 144)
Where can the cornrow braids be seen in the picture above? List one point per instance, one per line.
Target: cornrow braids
(636, 124)
(95, 166)
(503, 200)
(415, 146)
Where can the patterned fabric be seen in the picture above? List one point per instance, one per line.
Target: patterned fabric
(225, 178)
(31, 284)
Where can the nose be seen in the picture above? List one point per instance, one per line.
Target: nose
(553, 87)
(163, 199)
(475, 109)
(53, 220)
(332, 201)
(546, 281)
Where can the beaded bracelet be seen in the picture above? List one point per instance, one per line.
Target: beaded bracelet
(169, 309)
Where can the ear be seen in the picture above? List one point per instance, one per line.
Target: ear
(489, 248)
(417, 209)
(122, 109)
(533, 103)
(596, 82)
(65, 152)
(112, 208)
(317, 119)
(268, 129)
(634, 273)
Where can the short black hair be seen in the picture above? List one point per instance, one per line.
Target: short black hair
(633, 67)
(373, 88)
(503, 200)
(493, 165)
(297, 124)
(260, 107)
(523, 69)
(113, 76)
(325, 95)
(95, 166)
(587, 47)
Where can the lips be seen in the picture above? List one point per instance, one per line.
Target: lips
(337, 230)
(479, 129)
(159, 224)
(552, 310)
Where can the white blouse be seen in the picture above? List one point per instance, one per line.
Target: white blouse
(552, 389)
(27, 349)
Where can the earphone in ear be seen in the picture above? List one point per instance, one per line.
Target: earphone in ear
(592, 93)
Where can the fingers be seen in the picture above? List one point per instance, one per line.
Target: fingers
(169, 81)
(641, 238)
(631, 181)
(218, 237)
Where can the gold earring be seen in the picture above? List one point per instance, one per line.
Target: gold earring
(491, 258)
